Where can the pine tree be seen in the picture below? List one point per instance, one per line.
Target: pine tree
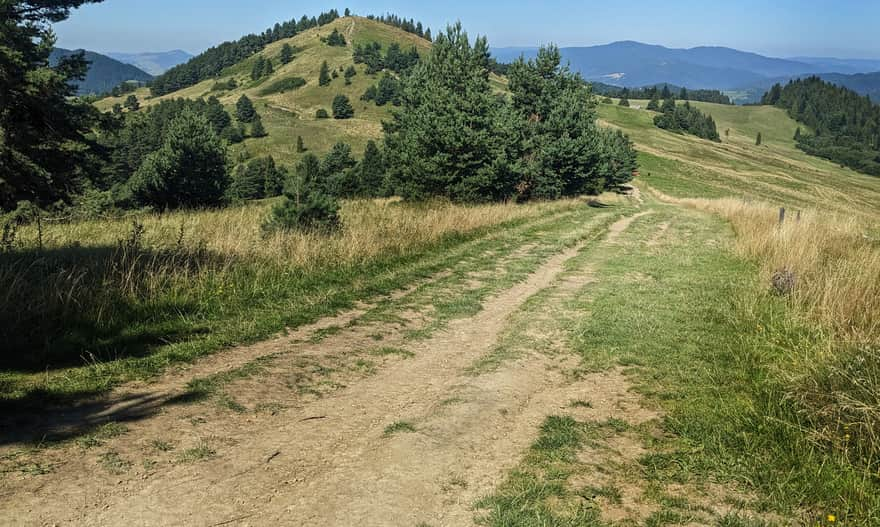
(342, 108)
(797, 134)
(453, 136)
(347, 12)
(306, 207)
(350, 72)
(131, 103)
(372, 171)
(654, 103)
(286, 54)
(624, 101)
(244, 109)
(44, 155)
(257, 129)
(758, 140)
(189, 170)
(300, 146)
(324, 75)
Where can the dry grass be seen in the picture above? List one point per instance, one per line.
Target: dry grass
(121, 286)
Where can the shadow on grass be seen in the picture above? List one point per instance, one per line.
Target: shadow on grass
(65, 307)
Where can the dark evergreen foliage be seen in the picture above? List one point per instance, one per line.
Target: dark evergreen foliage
(188, 170)
(257, 129)
(685, 118)
(258, 178)
(662, 92)
(283, 85)
(342, 108)
(286, 55)
(213, 61)
(244, 110)
(131, 103)
(307, 206)
(44, 151)
(410, 26)
(336, 39)
(324, 74)
(845, 125)
(262, 68)
(322, 114)
(394, 59)
(350, 72)
(563, 152)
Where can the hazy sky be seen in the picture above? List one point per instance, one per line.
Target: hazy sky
(842, 28)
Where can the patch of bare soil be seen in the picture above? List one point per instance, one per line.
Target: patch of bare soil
(620, 226)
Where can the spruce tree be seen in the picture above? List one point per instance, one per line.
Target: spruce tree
(324, 75)
(44, 153)
(453, 137)
(131, 103)
(306, 207)
(654, 103)
(257, 129)
(759, 139)
(286, 54)
(300, 146)
(189, 170)
(244, 110)
(350, 72)
(797, 134)
(372, 171)
(624, 101)
(342, 108)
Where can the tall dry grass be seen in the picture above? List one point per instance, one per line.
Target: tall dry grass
(69, 288)
(835, 261)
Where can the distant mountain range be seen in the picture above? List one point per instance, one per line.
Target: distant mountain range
(633, 64)
(104, 72)
(154, 63)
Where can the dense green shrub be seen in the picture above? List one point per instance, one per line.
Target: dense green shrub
(283, 85)
(322, 114)
(189, 170)
(685, 118)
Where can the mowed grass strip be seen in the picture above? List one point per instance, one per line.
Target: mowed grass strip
(704, 342)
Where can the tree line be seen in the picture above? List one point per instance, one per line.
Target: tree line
(662, 92)
(213, 61)
(394, 58)
(410, 26)
(684, 118)
(845, 125)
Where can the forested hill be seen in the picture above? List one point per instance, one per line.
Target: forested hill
(845, 125)
(103, 74)
(662, 91)
(213, 61)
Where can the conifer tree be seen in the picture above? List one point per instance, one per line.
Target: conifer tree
(324, 75)
(286, 54)
(797, 134)
(244, 109)
(257, 129)
(342, 108)
(372, 171)
(300, 146)
(189, 170)
(759, 139)
(44, 153)
(131, 103)
(350, 72)
(654, 103)
(624, 101)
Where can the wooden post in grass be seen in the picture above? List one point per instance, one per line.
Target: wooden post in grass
(781, 215)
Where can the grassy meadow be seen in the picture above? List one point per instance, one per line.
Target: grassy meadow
(87, 305)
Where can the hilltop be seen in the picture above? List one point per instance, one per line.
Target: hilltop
(293, 113)
(154, 63)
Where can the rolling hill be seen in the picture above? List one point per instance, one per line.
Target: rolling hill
(154, 63)
(292, 113)
(104, 72)
(746, 75)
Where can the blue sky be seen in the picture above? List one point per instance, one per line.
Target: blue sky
(842, 28)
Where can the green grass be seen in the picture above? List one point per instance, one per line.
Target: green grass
(399, 427)
(707, 345)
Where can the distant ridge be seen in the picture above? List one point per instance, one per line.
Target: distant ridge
(104, 72)
(153, 62)
(634, 64)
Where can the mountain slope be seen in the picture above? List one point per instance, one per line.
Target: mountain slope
(634, 64)
(292, 113)
(154, 63)
(104, 72)
(845, 66)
